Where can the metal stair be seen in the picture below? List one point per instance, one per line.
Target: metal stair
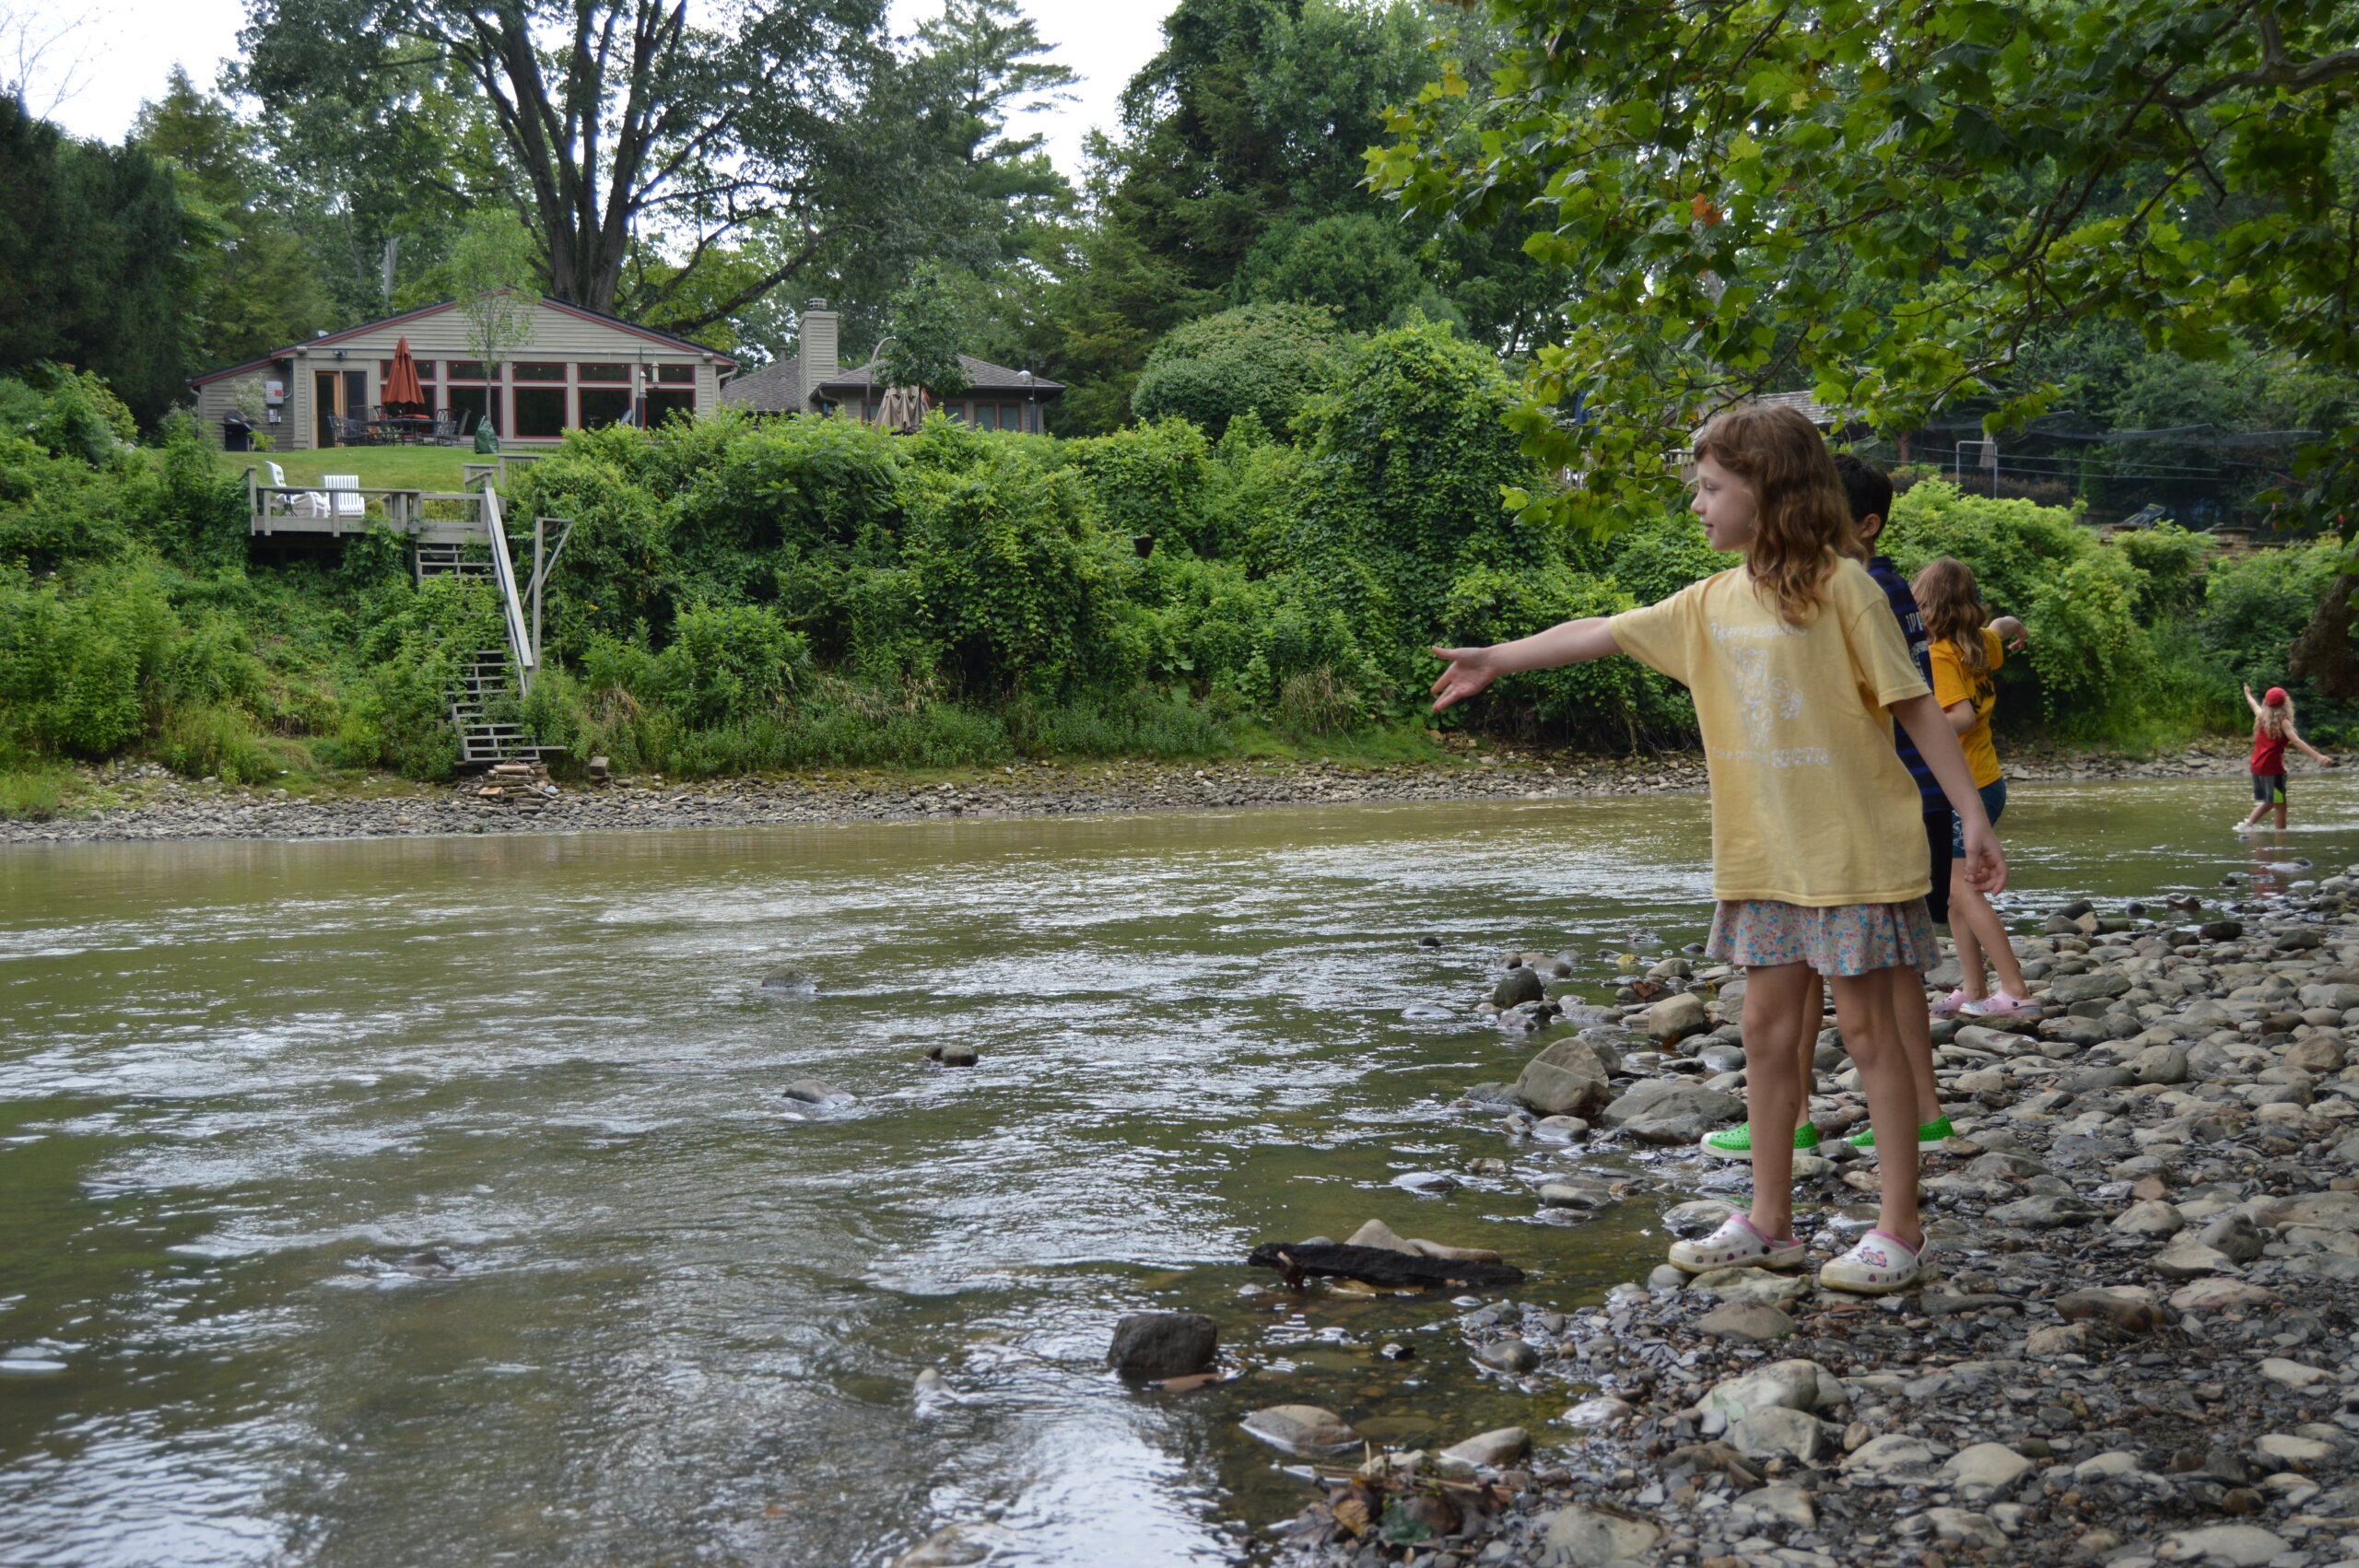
(446, 560)
(484, 678)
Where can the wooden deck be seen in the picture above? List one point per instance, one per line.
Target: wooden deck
(426, 516)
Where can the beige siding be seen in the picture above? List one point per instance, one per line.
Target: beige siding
(557, 335)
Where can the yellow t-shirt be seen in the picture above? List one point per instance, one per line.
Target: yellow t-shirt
(1954, 684)
(1811, 802)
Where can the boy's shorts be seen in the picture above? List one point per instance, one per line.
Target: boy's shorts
(2269, 788)
(1937, 845)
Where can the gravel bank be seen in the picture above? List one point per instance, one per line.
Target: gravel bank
(2138, 1348)
(148, 803)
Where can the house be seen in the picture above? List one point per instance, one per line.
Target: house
(581, 369)
(995, 397)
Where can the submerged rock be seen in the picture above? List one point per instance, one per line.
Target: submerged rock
(1305, 1430)
(1150, 1346)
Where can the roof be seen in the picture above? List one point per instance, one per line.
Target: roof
(981, 376)
(329, 340)
(776, 386)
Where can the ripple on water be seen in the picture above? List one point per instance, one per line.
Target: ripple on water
(245, 1083)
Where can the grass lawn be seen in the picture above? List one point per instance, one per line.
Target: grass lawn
(380, 468)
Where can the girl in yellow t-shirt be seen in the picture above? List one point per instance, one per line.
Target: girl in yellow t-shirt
(1797, 669)
(1966, 655)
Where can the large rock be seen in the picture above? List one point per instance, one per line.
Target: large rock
(2047, 1212)
(2153, 1217)
(2233, 1235)
(1966, 1528)
(1491, 1450)
(2125, 1306)
(817, 1092)
(1676, 1017)
(2223, 1546)
(1985, 1469)
(1751, 1322)
(1668, 1099)
(2160, 1064)
(2326, 1210)
(1376, 1233)
(1795, 1385)
(1779, 1433)
(1568, 1079)
(2187, 1258)
(1584, 1537)
(1750, 1287)
(1300, 1428)
(955, 1546)
(787, 977)
(2221, 1295)
(1520, 987)
(1150, 1345)
(1894, 1458)
(2096, 985)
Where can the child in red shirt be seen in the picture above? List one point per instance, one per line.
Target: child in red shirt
(2273, 729)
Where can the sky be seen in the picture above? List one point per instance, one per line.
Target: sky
(113, 55)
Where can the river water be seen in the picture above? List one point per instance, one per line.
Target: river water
(242, 1082)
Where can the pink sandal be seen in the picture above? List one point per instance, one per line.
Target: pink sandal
(1878, 1264)
(1735, 1245)
(1948, 1006)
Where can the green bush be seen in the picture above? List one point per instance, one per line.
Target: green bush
(2255, 604)
(1267, 360)
(729, 662)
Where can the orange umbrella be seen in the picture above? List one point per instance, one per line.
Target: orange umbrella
(401, 391)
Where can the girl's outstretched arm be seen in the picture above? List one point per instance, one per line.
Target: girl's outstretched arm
(1472, 669)
(2316, 755)
(1986, 863)
(2250, 701)
(2011, 632)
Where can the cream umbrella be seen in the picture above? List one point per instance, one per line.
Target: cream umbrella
(903, 411)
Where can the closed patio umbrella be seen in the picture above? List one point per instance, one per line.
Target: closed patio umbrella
(403, 394)
(903, 411)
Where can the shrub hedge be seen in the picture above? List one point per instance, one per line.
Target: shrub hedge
(747, 593)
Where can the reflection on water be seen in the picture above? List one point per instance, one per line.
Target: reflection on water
(254, 1097)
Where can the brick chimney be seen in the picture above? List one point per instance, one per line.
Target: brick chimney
(819, 327)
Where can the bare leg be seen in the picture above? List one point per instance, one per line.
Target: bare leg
(1863, 1012)
(1916, 1028)
(1773, 1093)
(2281, 816)
(1972, 979)
(1973, 920)
(1809, 1019)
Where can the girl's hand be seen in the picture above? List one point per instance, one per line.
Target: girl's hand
(1471, 669)
(1986, 863)
(2011, 632)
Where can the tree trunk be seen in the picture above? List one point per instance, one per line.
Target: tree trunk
(2322, 652)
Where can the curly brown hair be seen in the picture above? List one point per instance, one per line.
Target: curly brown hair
(1803, 518)
(1951, 601)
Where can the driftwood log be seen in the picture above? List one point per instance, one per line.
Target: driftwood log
(1380, 1265)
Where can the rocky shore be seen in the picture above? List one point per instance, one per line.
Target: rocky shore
(2135, 1345)
(145, 802)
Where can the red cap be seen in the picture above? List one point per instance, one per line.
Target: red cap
(2276, 696)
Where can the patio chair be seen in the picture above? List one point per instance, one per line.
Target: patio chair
(445, 432)
(344, 489)
(310, 503)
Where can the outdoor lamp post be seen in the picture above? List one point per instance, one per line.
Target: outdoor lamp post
(1024, 376)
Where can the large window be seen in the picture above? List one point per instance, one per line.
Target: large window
(602, 372)
(603, 405)
(540, 413)
(677, 374)
(537, 371)
(664, 402)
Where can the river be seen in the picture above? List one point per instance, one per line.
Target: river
(256, 1097)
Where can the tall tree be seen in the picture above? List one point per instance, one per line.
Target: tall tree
(260, 285)
(619, 118)
(1891, 203)
(98, 263)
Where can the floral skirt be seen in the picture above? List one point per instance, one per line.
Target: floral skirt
(1843, 938)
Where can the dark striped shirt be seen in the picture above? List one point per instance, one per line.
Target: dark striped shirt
(1912, 630)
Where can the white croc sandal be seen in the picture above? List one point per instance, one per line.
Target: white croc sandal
(1735, 1245)
(1878, 1264)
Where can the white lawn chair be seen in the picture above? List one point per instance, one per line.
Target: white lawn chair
(312, 503)
(344, 489)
